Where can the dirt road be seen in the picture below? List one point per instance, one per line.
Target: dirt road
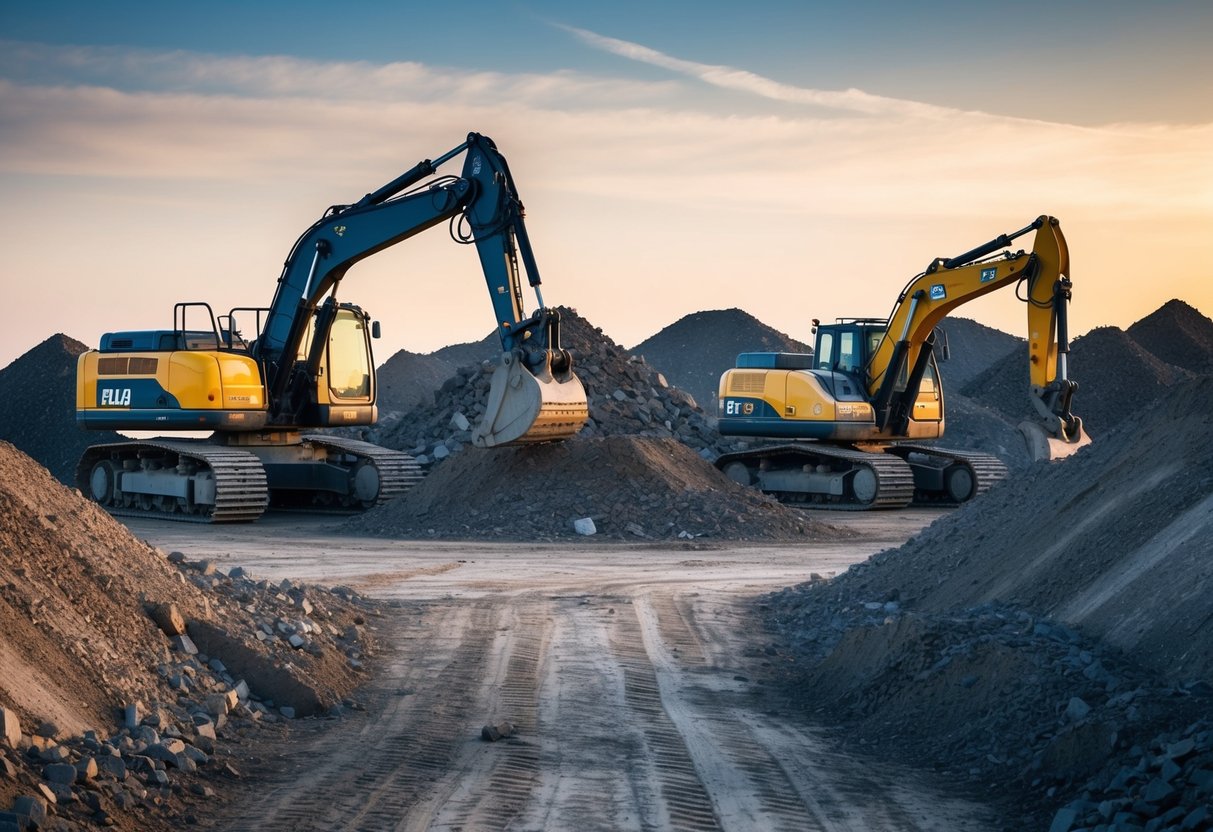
(632, 674)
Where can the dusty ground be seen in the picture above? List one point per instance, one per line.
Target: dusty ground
(629, 671)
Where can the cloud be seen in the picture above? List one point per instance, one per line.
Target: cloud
(740, 80)
(282, 76)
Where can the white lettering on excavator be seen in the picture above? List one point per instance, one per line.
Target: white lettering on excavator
(116, 397)
(476, 165)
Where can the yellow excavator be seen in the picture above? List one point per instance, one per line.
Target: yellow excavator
(872, 387)
(311, 366)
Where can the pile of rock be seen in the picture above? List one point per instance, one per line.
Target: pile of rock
(623, 487)
(1027, 640)
(141, 671)
(626, 397)
(1168, 786)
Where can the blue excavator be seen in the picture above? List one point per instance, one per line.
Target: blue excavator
(311, 366)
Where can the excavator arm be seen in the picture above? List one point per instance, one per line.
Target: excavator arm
(534, 396)
(897, 364)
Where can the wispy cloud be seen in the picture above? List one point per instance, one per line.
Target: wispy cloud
(740, 80)
(284, 76)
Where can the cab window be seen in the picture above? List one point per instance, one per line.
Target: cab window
(849, 357)
(825, 350)
(349, 361)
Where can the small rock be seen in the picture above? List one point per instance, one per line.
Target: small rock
(287, 711)
(60, 773)
(500, 731)
(168, 618)
(585, 526)
(48, 729)
(184, 644)
(33, 808)
(10, 727)
(86, 769)
(1077, 710)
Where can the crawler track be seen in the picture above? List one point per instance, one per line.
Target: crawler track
(398, 472)
(986, 470)
(892, 478)
(241, 494)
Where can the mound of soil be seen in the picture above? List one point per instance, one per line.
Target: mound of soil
(1178, 334)
(38, 407)
(409, 379)
(1052, 625)
(631, 487)
(694, 351)
(487, 348)
(1116, 375)
(78, 645)
(973, 349)
(626, 397)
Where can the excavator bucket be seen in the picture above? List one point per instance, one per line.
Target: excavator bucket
(525, 407)
(1046, 446)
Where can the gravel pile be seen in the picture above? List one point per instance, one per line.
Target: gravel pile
(630, 488)
(409, 379)
(1116, 377)
(973, 348)
(626, 397)
(38, 407)
(694, 351)
(1179, 335)
(139, 671)
(1041, 624)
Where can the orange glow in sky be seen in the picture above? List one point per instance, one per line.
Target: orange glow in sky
(137, 177)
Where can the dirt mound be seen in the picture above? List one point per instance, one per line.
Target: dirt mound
(626, 397)
(694, 351)
(78, 644)
(409, 379)
(631, 487)
(38, 407)
(1053, 624)
(973, 348)
(1116, 377)
(487, 348)
(1178, 334)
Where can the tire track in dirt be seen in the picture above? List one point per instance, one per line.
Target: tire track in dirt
(420, 713)
(794, 780)
(748, 787)
(593, 772)
(505, 773)
(686, 801)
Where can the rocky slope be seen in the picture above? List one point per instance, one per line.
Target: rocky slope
(126, 675)
(1055, 627)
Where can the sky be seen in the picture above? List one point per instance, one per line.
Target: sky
(798, 160)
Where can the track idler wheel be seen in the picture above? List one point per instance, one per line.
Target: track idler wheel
(103, 482)
(865, 484)
(959, 483)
